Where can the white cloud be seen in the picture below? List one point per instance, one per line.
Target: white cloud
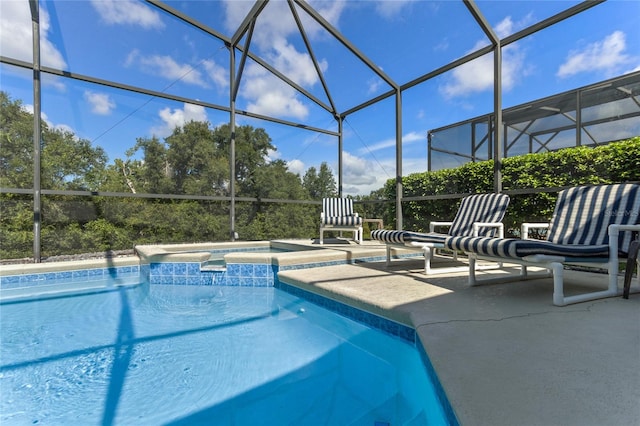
(178, 118)
(272, 155)
(391, 142)
(364, 174)
(296, 166)
(477, 75)
(607, 55)
(275, 20)
(389, 9)
(356, 170)
(165, 66)
(507, 26)
(361, 176)
(101, 103)
(296, 65)
(45, 118)
(16, 41)
(266, 94)
(127, 12)
(219, 75)
(270, 96)
(374, 85)
(235, 12)
(29, 108)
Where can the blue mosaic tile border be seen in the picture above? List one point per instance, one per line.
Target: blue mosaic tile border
(251, 274)
(391, 327)
(332, 263)
(440, 393)
(235, 274)
(81, 275)
(178, 273)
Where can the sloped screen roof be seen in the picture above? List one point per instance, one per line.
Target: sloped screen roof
(355, 84)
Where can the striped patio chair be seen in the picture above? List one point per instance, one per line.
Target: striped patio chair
(591, 226)
(337, 214)
(478, 215)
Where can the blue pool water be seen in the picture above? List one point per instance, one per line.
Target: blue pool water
(151, 355)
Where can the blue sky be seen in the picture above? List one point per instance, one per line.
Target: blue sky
(137, 44)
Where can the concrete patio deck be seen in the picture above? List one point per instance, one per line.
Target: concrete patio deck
(504, 354)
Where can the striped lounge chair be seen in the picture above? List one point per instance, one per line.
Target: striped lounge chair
(591, 226)
(479, 215)
(337, 214)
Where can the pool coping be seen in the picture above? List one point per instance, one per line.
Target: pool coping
(307, 253)
(67, 265)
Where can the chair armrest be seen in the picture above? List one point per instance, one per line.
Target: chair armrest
(498, 225)
(616, 228)
(432, 225)
(524, 229)
(613, 232)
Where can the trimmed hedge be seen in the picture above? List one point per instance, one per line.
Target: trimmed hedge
(612, 163)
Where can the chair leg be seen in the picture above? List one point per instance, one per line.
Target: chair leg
(428, 256)
(558, 284)
(632, 259)
(472, 269)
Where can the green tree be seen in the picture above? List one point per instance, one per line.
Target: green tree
(192, 156)
(71, 163)
(266, 220)
(16, 144)
(67, 162)
(320, 184)
(154, 171)
(252, 148)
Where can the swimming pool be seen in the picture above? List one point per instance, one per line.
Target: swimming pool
(167, 354)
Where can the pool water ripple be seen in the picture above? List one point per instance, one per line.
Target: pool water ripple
(188, 355)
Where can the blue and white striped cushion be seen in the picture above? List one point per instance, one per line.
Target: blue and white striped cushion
(583, 214)
(578, 229)
(515, 248)
(474, 208)
(402, 237)
(499, 247)
(339, 212)
(342, 220)
(479, 208)
(337, 207)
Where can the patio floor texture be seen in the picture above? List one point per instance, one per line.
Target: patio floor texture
(504, 354)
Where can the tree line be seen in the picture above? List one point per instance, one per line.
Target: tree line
(149, 188)
(193, 161)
